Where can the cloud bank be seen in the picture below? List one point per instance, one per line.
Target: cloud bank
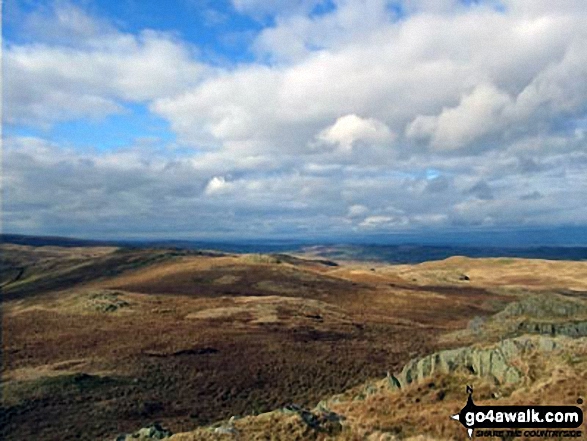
(353, 117)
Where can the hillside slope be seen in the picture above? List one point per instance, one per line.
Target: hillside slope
(102, 341)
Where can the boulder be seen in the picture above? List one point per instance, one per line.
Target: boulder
(151, 432)
(320, 419)
(493, 362)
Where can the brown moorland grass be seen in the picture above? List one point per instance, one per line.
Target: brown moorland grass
(421, 411)
(202, 338)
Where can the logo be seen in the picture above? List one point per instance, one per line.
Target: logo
(475, 418)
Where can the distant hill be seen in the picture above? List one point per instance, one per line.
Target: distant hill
(39, 241)
(408, 254)
(385, 253)
(234, 247)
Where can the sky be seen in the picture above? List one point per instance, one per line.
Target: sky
(310, 119)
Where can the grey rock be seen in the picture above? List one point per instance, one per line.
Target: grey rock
(570, 329)
(320, 419)
(151, 432)
(493, 362)
(226, 430)
(476, 324)
(545, 306)
(393, 382)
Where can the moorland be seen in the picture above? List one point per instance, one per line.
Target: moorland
(100, 341)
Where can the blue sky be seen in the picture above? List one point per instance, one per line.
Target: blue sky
(272, 119)
(209, 25)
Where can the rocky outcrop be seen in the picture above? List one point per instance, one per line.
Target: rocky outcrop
(544, 314)
(152, 432)
(320, 419)
(493, 362)
(106, 301)
(544, 306)
(570, 329)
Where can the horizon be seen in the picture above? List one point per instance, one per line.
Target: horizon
(504, 239)
(319, 120)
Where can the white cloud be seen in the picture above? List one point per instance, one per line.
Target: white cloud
(479, 113)
(349, 130)
(357, 210)
(62, 22)
(384, 222)
(494, 100)
(51, 189)
(218, 185)
(448, 81)
(59, 81)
